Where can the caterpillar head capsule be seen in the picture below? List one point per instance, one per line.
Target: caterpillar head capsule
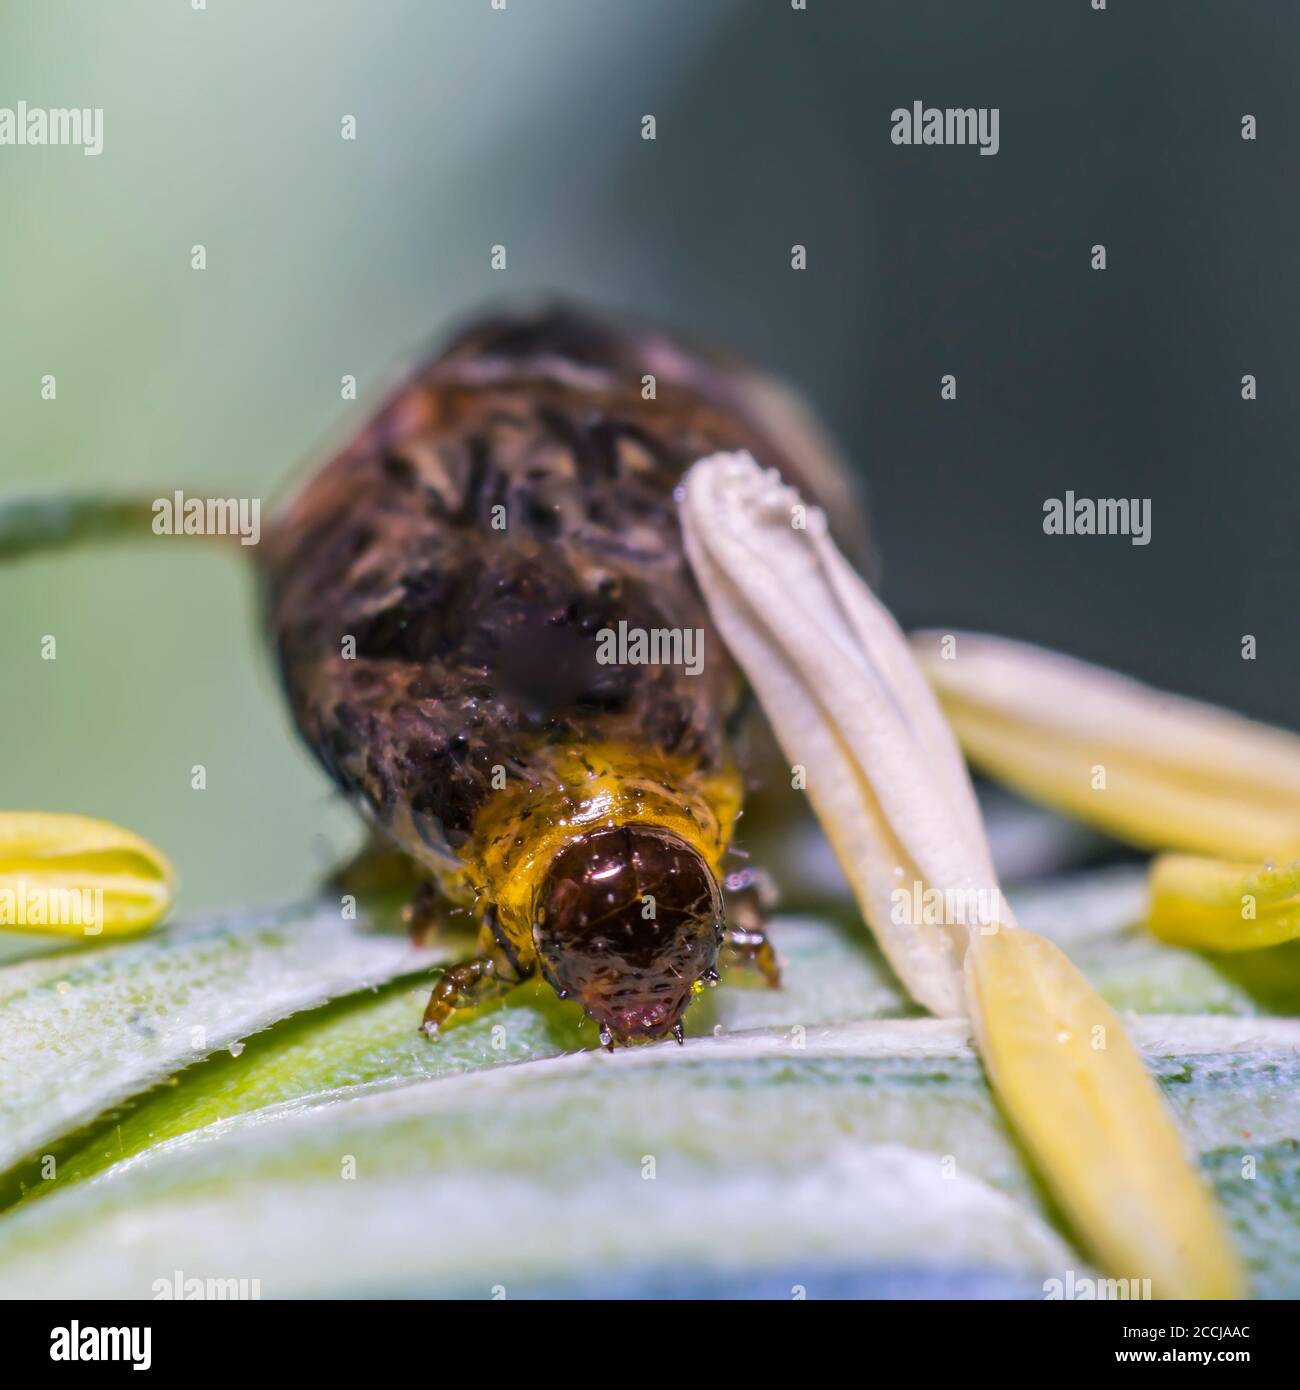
(627, 921)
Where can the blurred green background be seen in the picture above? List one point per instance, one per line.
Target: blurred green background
(523, 127)
(324, 257)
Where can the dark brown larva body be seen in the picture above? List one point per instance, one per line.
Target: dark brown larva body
(436, 595)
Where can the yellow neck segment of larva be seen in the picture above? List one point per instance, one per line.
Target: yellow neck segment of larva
(582, 789)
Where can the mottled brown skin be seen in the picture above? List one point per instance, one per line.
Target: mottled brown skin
(510, 501)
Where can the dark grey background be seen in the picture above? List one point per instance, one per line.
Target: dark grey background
(1120, 127)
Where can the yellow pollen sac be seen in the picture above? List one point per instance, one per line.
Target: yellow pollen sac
(1220, 792)
(1078, 1095)
(1210, 905)
(64, 875)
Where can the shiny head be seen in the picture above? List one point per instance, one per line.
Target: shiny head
(627, 921)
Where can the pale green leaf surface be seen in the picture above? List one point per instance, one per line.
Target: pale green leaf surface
(372, 1039)
(798, 1162)
(765, 1155)
(804, 1144)
(82, 1030)
(830, 975)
